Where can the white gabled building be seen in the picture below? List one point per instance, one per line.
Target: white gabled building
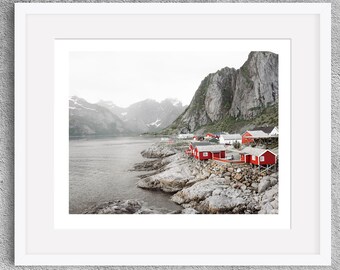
(230, 138)
(274, 132)
(185, 136)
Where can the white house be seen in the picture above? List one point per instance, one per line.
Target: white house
(274, 132)
(185, 136)
(230, 138)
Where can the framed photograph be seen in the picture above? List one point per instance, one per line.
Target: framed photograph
(172, 134)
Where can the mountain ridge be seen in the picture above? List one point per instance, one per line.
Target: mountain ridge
(106, 118)
(149, 115)
(91, 119)
(233, 98)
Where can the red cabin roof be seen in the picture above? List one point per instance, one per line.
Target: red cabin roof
(255, 151)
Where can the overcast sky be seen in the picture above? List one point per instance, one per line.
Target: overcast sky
(127, 77)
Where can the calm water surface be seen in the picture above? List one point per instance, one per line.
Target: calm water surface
(99, 172)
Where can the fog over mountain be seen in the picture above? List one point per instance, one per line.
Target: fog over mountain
(91, 119)
(147, 115)
(105, 118)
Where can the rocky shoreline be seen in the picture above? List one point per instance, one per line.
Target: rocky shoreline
(126, 207)
(208, 187)
(200, 187)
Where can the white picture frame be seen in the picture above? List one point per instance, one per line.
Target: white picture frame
(38, 241)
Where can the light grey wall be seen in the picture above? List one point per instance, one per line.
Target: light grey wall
(7, 142)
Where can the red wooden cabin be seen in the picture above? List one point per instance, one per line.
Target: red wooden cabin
(198, 138)
(246, 138)
(258, 156)
(249, 135)
(193, 145)
(204, 152)
(212, 135)
(245, 157)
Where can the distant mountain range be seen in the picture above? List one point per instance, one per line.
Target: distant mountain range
(92, 119)
(147, 115)
(105, 118)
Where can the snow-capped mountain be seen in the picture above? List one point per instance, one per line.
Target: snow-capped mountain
(116, 110)
(91, 119)
(156, 124)
(147, 115)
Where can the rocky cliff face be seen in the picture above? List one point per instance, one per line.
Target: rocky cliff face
(256, 85)
(240, 94)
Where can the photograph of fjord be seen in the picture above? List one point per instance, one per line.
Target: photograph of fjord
(173, 133)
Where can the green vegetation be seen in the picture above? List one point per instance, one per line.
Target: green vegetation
(213, 140)
(229, 124)
(199, 98)
(170, 130)
(269, 116)
(246, 75)
(237, 145)
(245, 72)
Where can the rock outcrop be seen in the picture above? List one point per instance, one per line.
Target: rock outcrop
(172, 178)
(231, 93)
(158, 151)
(256, 85)
(212, 188)
(124, 207)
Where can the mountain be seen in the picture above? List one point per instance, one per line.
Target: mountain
(91, 119)
(120, 112)
(232, 100)
(147, 115)
(106, 118)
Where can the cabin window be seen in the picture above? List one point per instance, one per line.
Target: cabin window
(261, 158)
(205, 154)
(253, 157)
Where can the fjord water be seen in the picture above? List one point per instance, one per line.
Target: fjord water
(100, 172)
